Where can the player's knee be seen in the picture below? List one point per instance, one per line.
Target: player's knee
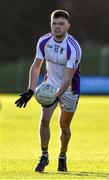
(44, 122)
(66, 131)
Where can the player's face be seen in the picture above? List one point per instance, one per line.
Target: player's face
(59, 26)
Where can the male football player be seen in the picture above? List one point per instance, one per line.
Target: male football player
(62, 55)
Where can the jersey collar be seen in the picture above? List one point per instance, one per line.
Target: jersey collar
(62, 40)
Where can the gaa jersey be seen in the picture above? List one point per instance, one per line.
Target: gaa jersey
(58, 56)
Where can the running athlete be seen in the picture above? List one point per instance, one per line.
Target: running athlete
(62, 55)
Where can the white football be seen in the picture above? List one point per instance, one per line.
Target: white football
(45, 94)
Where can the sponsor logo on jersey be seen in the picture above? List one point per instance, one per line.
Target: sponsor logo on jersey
(49, 46)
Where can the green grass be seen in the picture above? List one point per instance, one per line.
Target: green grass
(88, 153)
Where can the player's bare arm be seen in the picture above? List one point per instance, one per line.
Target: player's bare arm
(69, 73)
(34, 74)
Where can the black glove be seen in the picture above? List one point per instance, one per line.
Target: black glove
(56, 100)
(25, 97)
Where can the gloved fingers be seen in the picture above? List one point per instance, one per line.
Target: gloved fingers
(23, 94)
(18, 100)
(20, 104)
(24, 98)
(25, 104)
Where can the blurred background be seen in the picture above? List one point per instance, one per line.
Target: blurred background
(22, 22)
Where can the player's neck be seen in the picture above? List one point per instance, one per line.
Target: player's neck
(59, 38)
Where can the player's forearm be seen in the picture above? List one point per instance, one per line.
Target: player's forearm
(33, 77)
(63, 88)
(69, 73)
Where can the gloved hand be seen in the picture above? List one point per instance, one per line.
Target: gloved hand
(56, 100)
(25, 97)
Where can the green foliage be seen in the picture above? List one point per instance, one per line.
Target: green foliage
(87, 156)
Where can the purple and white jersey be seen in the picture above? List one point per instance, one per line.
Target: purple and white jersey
(58, 56)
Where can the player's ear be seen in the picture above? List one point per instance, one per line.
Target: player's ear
(68, 26)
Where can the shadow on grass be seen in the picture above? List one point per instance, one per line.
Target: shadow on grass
(80, 174)
(54, 175)
(97, 174)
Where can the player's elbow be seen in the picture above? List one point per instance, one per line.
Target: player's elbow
(36, 64)
(34, 69)
(67, 82)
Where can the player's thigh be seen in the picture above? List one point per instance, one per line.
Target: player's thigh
(65, 119)
(46, 113)
(68, 101)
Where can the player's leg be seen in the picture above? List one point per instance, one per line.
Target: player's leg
(44, 125)
(65, 120)
(68, 104)
(46, 114)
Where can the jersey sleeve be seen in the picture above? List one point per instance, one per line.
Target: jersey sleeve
(39, 53)
(75, 56)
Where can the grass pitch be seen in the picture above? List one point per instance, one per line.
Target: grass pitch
(88, 152)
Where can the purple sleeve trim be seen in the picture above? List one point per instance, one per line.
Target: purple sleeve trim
(42, 45)
(68, 51)
(75, 45)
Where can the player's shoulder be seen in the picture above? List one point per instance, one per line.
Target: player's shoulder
(73, 42)
(73, 46)
(45, 37)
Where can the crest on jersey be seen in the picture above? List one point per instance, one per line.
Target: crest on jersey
(61, 50)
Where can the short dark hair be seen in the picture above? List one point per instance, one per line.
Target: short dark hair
(60, 13)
